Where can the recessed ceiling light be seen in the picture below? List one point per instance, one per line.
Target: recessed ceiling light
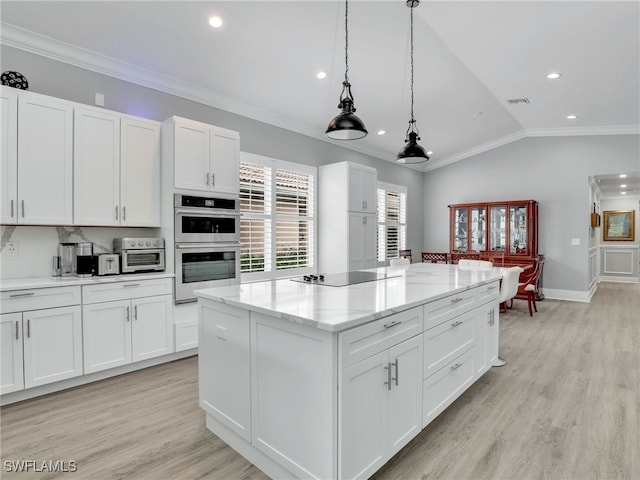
(215, 21)
(623, 186)
(553, 75)
(623, 175)
(320, 75)
(623, 193)
(571, 117)
(381, 132)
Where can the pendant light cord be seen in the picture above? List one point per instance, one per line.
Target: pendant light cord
(346, 41)
(413, 121)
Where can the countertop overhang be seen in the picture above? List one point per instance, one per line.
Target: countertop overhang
(339, 308)
(45, 282)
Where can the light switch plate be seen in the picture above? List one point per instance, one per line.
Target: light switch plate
(575, 241)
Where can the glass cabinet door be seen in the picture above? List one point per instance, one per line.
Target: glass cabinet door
(498, 219)
(478, 229)
(461, 228)
(518, 229)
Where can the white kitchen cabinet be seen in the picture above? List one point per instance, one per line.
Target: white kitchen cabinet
(140, 149)
(52, 345)
(362, 189)
(347, 221)
(487, 328)
(205, 157)
(225, 394)
(380, 404)
(116, 169)
(361, 245)
(11, 358)
(9, 155)
(134, 325)
(40, 347)
(37, 159)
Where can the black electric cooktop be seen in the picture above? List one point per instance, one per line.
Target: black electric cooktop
(343, 279)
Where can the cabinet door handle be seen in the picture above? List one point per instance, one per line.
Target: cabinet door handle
(116, 212)
(456, 366)
(12, 208)
(213, 179)
(364, 220)
(392, 324)
(28, 328)
(135, 312)
(124, 213)
(16, 295)
(17, 331)
(388, 382)
(130, 285)
(362, 202)
(396, 377)
(22, 204)
(207, 178)
(127, 314)
(456, 300)
(455, 324)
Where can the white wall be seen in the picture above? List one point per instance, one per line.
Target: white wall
(552, 170)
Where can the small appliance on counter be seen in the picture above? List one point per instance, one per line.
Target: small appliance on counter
(140, 254)
(84, 259)
(74, 260)
(108, 264)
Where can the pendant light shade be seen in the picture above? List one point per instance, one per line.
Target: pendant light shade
(412, 152)
(347, 125)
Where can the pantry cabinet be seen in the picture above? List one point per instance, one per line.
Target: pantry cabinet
(116, 169)
(205, 157)
(130, 328)
(347, 221)
(37, 159)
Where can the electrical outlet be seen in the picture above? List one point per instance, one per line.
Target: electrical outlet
(11, 250)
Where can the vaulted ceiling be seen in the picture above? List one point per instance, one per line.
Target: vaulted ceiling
(471, 59)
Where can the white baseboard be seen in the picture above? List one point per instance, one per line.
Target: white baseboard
(568, 295)
(613, 278)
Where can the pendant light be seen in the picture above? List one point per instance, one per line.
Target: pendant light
(347, 125)
(412, 152)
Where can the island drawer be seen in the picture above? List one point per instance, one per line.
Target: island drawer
(448, 307)
(487, 293)
(39, 298)
(361, 342)
(443, 387)
(446, 341)
(107, 292)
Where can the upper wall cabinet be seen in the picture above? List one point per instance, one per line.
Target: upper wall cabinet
(362, 188)
(37, 159)
(117, 169)
(205, 157)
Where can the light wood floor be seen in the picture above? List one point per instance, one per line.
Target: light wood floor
(566, 406)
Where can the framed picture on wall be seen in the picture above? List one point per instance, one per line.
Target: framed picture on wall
(619, 225)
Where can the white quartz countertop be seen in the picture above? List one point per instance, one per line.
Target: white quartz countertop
(338, 308)
(44, 282)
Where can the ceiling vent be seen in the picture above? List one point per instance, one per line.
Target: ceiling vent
(515, 101)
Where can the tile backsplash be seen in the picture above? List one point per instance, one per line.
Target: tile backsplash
(37, 245)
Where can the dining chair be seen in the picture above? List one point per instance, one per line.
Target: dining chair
(406, 254)
(508, 286)
(398, 262)
(528, 286)
(435, 257)
(467, 264)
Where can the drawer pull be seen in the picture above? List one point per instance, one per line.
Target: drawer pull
(456, 366)
(493, 287)
(22, 295)
(131, 285)
(392, 324)
(456, 300)
(455, 324)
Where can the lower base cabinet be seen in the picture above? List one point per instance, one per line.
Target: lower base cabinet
(125, 331)
(381, 405)
(40, 347)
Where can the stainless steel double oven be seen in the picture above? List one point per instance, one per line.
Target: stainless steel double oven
(207, 243)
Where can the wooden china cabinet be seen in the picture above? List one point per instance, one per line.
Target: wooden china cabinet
(508, 229)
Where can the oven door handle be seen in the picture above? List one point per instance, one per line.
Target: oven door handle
(186, 246)
(207, 213)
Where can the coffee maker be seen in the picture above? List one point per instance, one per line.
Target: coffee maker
(74, 260)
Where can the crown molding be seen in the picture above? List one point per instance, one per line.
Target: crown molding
(51, 48)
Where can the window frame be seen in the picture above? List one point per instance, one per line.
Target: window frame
(383, 223)
(272, 217)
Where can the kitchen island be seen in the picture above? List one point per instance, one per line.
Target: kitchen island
(314, 381)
